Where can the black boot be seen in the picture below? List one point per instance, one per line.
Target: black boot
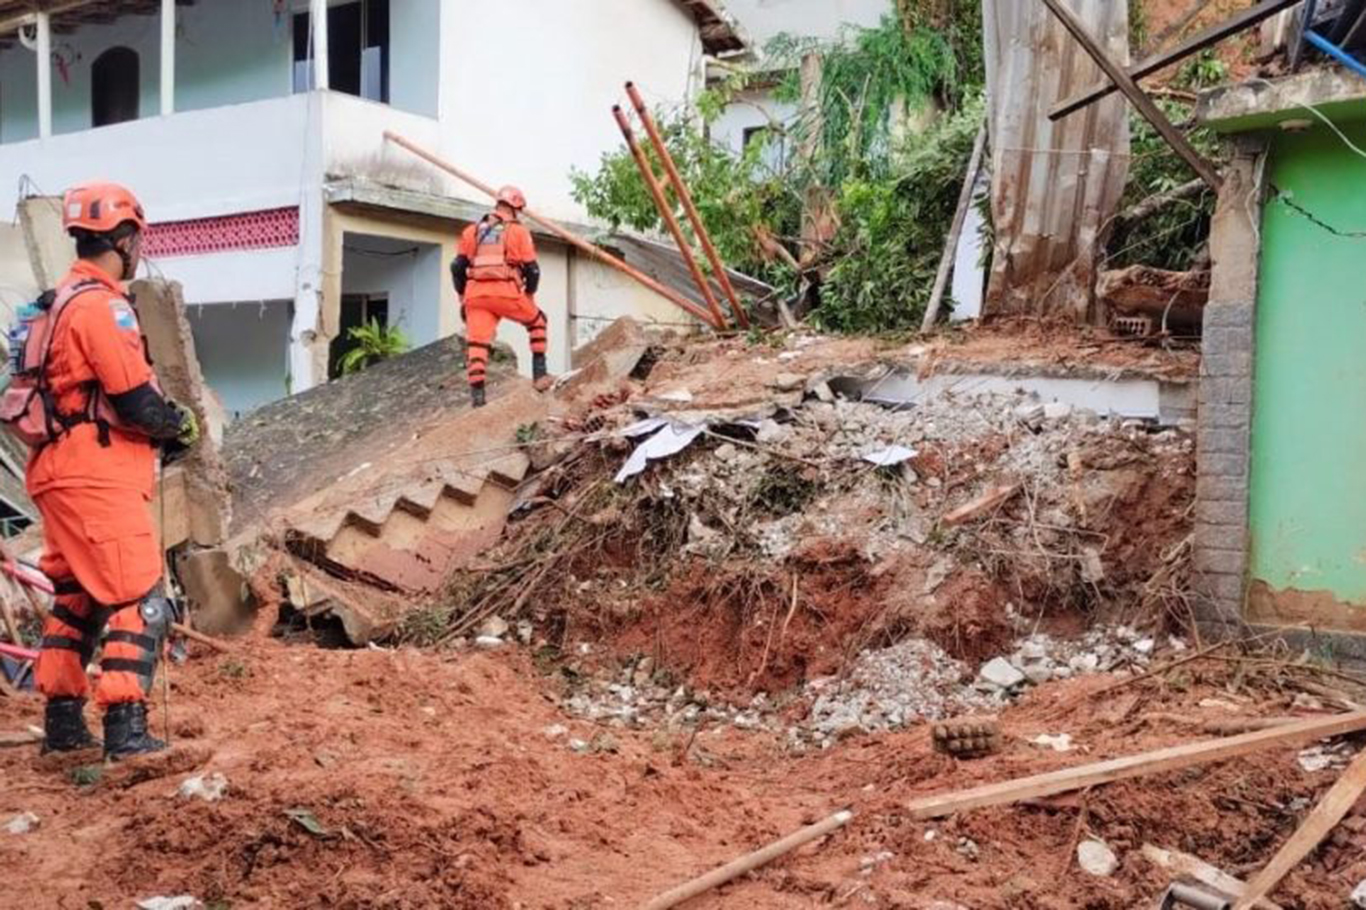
(64, 727)
(477, 395)
(538, 368)
(125, 732)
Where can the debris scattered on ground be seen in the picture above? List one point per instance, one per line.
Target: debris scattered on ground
(1059, 743)
(1096, 858)
(208, 787)
(22, 823)
(181, 902)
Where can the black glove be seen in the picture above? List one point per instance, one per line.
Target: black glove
(460, 273)
(531, 276)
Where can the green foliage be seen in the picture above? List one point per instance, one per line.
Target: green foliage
(374, 342)
(1174, 237)
(733, 195)
(892, 232)
(1202, 71)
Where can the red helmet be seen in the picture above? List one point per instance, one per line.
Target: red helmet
(510, 195)
(100, 208)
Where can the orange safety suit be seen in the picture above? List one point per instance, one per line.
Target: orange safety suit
(495, 291)
(93, 487)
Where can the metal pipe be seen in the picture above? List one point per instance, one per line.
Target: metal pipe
(662, 204)
(685, 198)
(1337, 53)
(573, 240)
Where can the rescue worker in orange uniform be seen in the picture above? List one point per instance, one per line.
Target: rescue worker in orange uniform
(93, 484)
(496, 276)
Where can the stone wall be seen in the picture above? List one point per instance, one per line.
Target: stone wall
(1225, 420)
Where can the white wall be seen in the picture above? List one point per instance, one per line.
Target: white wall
(230, 277)
(227, 52)
(763, 19)
(242, 349)
(190, 165)
(751, 109)
(527, 116)
(409, 274)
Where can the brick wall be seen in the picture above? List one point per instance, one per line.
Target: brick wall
(1225, 419)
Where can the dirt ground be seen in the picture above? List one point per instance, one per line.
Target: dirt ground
(438, 780)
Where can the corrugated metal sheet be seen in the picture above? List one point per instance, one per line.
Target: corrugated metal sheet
(1054, 185)
(664, 263)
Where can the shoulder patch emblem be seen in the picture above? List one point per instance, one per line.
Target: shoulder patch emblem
(124, 317)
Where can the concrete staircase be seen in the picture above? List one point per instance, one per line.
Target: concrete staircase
(410, 538)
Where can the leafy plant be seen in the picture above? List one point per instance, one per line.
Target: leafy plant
(1174, 237)
(1203, 71)
(892, 232)
(373, 343)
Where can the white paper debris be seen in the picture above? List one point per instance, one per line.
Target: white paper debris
(1060, 743)
(644, 427)
(669, 441)
(679, 396)
(208, 787)
(892, 455)
(22, 823)
(180, 902)
(1359, 896)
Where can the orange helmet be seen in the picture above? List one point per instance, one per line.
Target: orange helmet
(510, 195)
(100, 208)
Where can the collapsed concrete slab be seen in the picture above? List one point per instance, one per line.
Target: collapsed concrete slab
(386, 482)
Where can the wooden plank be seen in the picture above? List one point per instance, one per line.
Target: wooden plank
(1145, 105)
(1210, 36)
(1144, 764)
(960, 217)
(989, 501)
(1183, 864)
(1334, 806)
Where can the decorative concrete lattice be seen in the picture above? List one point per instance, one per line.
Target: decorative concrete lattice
(261, 230)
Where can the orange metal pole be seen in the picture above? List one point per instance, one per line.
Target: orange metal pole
(685, 197)
(665, 212)
(573, 240)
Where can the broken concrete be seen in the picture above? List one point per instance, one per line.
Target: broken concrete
(170, 343)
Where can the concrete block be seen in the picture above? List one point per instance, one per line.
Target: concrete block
(1221, 441)
(1221, 513)
(1220, 416)
(51, 250)
(1215, 390)
(1210, 487)
(1233, 364)
(1224, 562)
(1220, 314)
(1231, 465)
(1217, 586)
(216, 592)
(1221, 537)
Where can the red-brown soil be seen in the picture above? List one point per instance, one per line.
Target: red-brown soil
(436, 785)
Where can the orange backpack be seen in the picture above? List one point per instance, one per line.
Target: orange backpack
(490, 253)
(27, 407)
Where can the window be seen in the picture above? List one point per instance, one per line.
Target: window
(754, 134)
(357, 49)
(114, 87)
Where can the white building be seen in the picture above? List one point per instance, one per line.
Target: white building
(756, 110)
(252, 130)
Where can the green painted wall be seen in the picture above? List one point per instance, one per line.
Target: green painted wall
(1308, 498)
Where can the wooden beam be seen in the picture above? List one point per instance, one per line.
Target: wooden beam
(1142, 765)
(15, 22)
(1334, 806)
(1145, 105)
(1194, 45)
(960, 217)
